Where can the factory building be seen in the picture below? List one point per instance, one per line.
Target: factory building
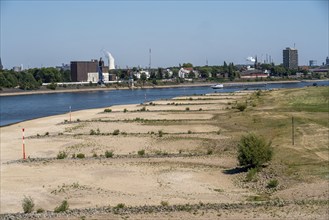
(87, 71)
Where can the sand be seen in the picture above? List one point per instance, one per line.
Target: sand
(187, 175)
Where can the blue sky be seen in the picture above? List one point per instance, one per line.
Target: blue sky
(49, 33)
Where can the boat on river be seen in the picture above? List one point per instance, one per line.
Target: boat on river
(217, 86)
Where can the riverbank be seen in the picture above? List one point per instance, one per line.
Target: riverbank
(16, 92)
(174, 157)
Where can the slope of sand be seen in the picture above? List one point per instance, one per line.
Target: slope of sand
(177, 167)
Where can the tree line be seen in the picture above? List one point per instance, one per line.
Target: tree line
(33, 78)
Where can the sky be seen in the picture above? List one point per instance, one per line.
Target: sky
(49, 33)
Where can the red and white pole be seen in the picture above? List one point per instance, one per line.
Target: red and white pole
(70, 113)
(24, 157)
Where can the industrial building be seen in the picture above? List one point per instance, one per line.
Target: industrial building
(290, 58)
(87, 71)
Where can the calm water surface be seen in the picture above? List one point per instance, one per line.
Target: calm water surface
(15, 109)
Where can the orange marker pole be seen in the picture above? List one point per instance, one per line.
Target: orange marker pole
(23, 145)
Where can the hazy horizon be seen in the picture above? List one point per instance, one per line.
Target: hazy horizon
(36, 33)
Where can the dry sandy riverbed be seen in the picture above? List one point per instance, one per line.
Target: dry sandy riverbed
(177, 167)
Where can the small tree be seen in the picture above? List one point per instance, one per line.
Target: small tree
(27, 204)
(254, 151)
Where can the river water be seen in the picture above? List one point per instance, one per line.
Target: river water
(15, 109)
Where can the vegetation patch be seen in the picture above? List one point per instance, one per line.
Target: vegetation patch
(27, 204)
(254, 151)
(64, 206)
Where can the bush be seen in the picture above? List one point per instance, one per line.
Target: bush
(164, 203)
(80, 155)
(108, 154)
(27, 204)
(251, 175)
(254, 151)
(273, 183)
(160, 133)
(143, 109)
(187, 109)
(141, 152)
(92, 132)
(116, 132)
(52, 86)
(40, 210)
(125, 110)
(120, 206)
(209, 151)
(61, 155)
(64, 206)
(107, 110)
(241, 106)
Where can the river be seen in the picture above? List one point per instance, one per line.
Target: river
(14, 109)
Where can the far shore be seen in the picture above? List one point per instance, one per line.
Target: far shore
(16, 92)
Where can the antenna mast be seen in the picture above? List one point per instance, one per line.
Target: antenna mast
(150, 59)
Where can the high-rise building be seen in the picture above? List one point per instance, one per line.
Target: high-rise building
(327, 61)
(290, 58)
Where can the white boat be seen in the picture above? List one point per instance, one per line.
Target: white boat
(217, 86)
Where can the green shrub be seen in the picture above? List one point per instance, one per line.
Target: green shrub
(273, 183)
(92, 132)
(209, 151)
(40, 210)
(164, 203)
(251, 175)
(52, 86)
(120, 206)
(107, 110)
(116, 132)
(189, 132)
(160, 133)
(27, 204)
(143, 109)
(47, 133)
(241, 106)
(254, 151)
(108, 154)
(73, 156)
(125, 110)
(80, 155)
(141, 152)
(61, 155)
(64, 206)
(95, 155)
(187, 109)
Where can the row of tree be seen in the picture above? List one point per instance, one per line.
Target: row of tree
(33, 78)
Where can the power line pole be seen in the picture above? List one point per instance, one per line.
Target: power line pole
(293, 130)
(150, 59)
